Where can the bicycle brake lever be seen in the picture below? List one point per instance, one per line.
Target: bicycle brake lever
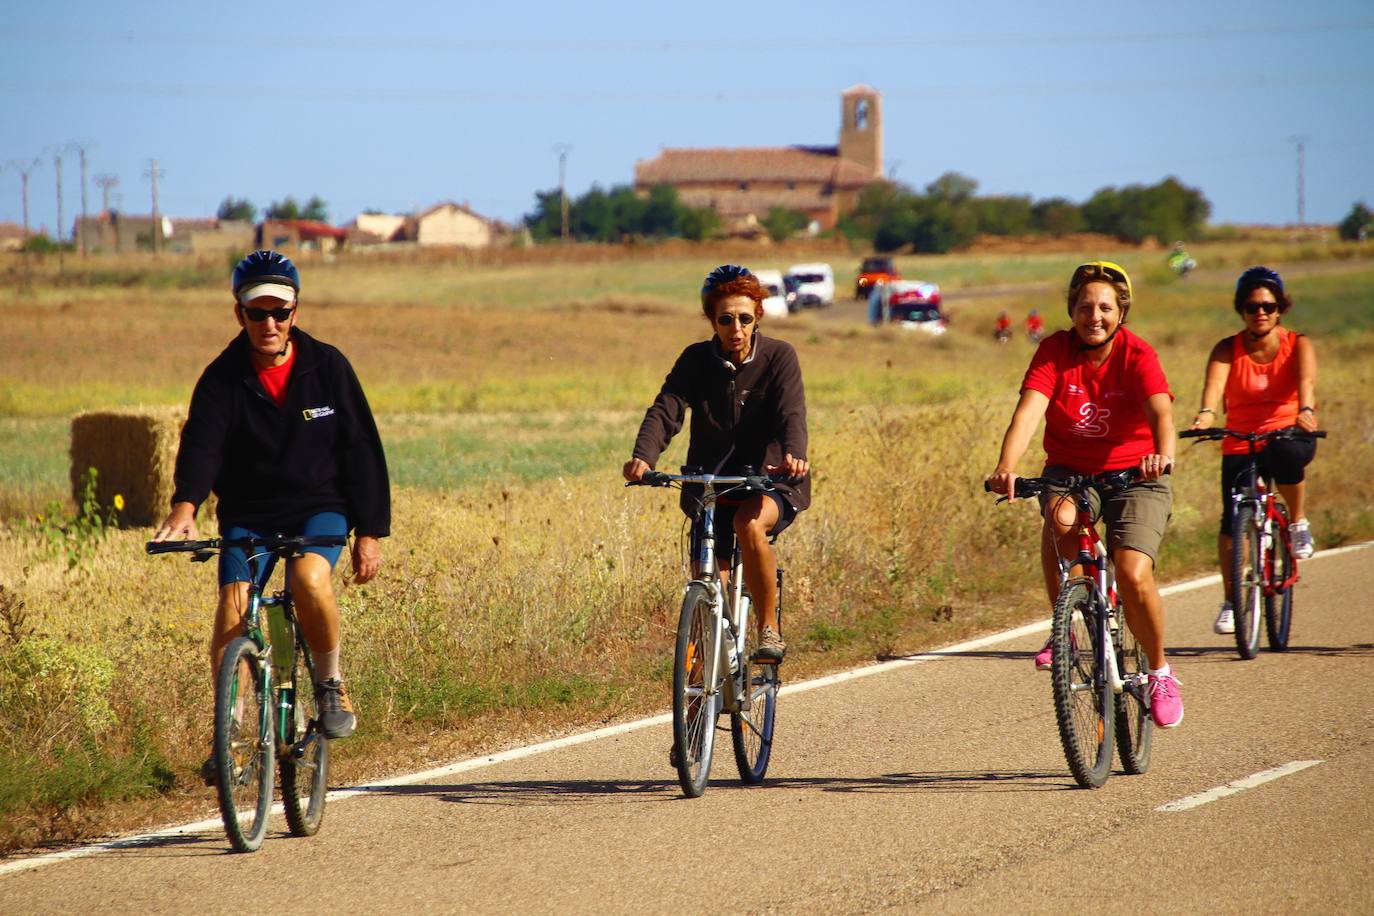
(202, 556)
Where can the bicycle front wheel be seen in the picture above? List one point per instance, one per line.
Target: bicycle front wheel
(243, 744)
(1247, 578)
(751, 728)
(304, 755)
(1083, 702)
(694, 706)
(1134, 727)
(1278, 606)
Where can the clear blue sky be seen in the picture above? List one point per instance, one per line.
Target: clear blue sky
(403, 104)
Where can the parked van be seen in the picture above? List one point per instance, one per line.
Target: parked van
(809, 286)
(775, 306)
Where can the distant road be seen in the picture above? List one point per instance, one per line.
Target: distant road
(938, 786)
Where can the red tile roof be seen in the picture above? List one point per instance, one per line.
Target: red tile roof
(782, 163)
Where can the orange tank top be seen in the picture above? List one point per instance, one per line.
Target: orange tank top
(1261, 396)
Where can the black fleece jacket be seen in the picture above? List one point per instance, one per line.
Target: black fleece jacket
(272, 467)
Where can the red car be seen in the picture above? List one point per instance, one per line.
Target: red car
(874, 270)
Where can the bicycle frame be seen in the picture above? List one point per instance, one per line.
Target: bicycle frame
(730, 605)
(1263, 495)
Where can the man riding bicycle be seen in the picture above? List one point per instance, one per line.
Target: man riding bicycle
(281, 432)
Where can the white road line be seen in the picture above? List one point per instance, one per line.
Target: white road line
(475, 763)
(1238, 785)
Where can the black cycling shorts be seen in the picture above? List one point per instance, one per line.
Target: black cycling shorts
(1285, 460)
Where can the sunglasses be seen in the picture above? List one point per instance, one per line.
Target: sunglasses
(1254, 308)
(744, 319)
(282, 315)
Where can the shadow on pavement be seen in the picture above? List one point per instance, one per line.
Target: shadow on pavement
(1358, 650)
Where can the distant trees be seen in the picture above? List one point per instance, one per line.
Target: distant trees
(605, 216)
(948, 214)
(782, 223)
(315, 209)
(237, 209)
(1358, 223)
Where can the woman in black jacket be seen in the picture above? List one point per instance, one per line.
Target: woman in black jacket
(748, 409)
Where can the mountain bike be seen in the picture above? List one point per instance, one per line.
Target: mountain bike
(714, 669)
(1099, 672)
(265, 707)
(1262, 560)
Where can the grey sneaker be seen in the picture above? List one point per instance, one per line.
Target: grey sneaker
(1302, 539)
(771, 647)
(336, 712)
(1226, 620)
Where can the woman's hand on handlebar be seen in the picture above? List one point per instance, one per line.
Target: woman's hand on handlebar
(1004, 482)
(1307, 421)
(634, 469)
(1153, 467)
(790, 467)
(180, 524)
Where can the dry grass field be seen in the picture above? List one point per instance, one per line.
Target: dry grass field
(525, 590)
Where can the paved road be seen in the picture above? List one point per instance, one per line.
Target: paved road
(939, 787)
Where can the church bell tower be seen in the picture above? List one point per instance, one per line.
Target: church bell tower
(861, 128)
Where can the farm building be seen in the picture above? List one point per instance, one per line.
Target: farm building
(742, 184)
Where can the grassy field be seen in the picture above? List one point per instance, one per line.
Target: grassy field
(525, 591)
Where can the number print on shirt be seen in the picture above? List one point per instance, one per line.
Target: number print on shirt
(1093, 422)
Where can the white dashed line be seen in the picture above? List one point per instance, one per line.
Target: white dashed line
(1238, 785)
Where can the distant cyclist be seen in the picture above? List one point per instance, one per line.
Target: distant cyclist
(1001, 328)
(1107, 407)
(744, 392)
(280, 431)
(1035, 326)
(1265, 377)
(1180, 262)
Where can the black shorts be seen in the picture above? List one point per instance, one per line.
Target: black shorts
(1285, 460)
(725, 526)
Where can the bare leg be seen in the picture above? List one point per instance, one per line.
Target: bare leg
(1135, 578)
(1295, 496)
(312, 592)
(233, 603)
(753, 520)
(1058, 538)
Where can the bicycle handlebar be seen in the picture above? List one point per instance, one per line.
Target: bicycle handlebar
(760, 482)
(274, 543)
(1107, 480)
(1221, 432)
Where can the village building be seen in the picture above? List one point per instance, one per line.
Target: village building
(12, 236)
(300, 235)
(444, 224)
(742, 184)
(115, 232)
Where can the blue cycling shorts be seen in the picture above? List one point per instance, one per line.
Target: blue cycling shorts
(233, 561)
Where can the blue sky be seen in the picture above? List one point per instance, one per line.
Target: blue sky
(404, 104)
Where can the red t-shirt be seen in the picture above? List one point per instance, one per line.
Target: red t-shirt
(1096, 419)
(274, 378)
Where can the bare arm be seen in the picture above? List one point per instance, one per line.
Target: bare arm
(1213, 385)
(1159, 413)
(1030, 409)
(1307, 384)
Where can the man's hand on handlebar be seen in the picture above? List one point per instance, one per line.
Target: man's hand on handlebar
(1153, 467)
(634, 469)
(180, 524)
(790, 467)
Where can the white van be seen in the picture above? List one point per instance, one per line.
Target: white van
(775, 306)
(809, 286)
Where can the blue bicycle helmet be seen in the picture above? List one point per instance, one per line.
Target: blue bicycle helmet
(723, 274)
(1256, 277)
(265, 268)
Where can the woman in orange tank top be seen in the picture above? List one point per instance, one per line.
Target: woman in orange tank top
(1266, 379)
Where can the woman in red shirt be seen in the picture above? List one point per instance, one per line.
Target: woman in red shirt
(1107, 407)
(1266, 379)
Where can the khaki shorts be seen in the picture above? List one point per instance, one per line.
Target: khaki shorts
(1136, 516)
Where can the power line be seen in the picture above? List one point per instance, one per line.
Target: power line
(25, 167)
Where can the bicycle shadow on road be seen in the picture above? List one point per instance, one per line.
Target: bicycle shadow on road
(1001, 654)
(1227, 652)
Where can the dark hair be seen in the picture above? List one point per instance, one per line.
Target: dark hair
(1261, 278)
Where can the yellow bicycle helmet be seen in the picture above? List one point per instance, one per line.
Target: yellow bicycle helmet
(1102, 271)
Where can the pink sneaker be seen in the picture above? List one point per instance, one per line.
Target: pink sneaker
(1166, 706)
(1044, 659)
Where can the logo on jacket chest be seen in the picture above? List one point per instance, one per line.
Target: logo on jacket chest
(317, 413)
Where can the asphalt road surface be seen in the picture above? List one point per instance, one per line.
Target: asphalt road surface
(938, 786)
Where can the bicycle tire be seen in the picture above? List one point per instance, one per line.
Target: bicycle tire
(751, 729)
(1278, 607)
(244, 749)
(1083, 701)
(1247, 573)
(694, 709)
(1134, 727)
(304, 779)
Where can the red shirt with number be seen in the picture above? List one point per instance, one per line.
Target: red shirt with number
(1096, 419)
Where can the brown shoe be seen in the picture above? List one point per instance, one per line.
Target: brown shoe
(336, 712)
(771, 647)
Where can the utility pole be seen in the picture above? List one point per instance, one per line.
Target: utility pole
(154, 173)
(1301, 143)
(562, 149)
(25, 167)
(81, 146)
(104, 183)
(57, 164)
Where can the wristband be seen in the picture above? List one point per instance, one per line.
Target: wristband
(1307, 410)
(1209, 410)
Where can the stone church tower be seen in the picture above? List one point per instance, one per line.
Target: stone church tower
(861, 128)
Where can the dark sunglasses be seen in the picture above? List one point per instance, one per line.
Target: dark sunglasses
(282, 315)
(744, 319)
(1254, 308)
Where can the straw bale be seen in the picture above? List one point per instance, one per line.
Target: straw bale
(134, 451)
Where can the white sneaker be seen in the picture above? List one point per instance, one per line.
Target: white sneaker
(1302, 539)
(1226, 620)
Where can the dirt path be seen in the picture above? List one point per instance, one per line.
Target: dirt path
(938, 786)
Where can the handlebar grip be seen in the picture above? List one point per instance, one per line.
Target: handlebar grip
(155, 547)
(987, 487)
(1318, 434)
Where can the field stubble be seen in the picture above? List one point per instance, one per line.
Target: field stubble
(525, 590)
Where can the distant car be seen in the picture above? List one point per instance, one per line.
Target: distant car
(916, 305)
(809, 286)
(871, 271)
(775, 306)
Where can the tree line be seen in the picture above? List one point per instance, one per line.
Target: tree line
(241, 208)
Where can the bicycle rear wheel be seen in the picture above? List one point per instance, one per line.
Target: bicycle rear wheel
(694, 707)
(1278, 607)
(1134, 727)
(751, 729)
(243, 745)
(1247, 577)
(304, 755)
(1083, 702)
